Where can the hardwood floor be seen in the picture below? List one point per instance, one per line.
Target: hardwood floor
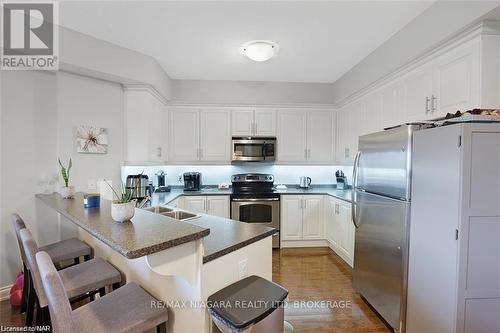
(315, 274)
(312, 274)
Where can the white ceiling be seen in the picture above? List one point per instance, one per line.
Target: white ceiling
(200, 40)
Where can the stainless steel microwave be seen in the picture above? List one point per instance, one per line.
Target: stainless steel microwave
(250, 149)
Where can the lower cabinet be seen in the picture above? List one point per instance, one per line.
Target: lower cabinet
(339, 229)
(217, 205)
(302, 217)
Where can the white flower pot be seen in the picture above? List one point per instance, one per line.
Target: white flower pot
(67, 191)
(121, 212)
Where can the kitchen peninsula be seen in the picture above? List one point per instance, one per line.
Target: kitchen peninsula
(176, 261)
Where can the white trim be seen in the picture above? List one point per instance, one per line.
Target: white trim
(254, 106)
(145, 87)
(304, 243)
(5, 292)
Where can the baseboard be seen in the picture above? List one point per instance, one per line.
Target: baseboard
(5, 293)
(304, 243)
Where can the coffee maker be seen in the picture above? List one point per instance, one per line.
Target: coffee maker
(192, 181)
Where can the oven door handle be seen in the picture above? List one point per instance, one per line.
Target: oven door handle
(255, 200)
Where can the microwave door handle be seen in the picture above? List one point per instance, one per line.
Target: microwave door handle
(264, 151)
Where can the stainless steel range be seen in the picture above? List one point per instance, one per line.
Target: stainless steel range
(254, 201)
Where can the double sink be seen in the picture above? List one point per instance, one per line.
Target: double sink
(177, 214)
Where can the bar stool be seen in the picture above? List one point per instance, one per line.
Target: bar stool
(127, 309)
(69, 249)
(79, 281)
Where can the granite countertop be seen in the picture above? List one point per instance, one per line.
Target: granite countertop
(176, 192)
(150, 232)
(147, 232)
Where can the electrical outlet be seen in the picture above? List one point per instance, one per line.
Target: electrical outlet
(243, 268)
(92, 185)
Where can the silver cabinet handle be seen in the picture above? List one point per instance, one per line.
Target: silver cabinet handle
(305, 204)
(427, 101)
(208, 204)
(255, 130)
(201, 153)
(305, 154)
(354, 185)
(433, 103)
(309, 153)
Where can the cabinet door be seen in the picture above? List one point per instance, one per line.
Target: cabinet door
(456, 81)
(330, 211)
(313, 217)
(137, 121)
(292, 136)
(418, 92)
(320, 136)
(342, 148)
(158, 147)
(215, 137)
(392, 105)
(355, 122)
(184, 135)
(371, 115)
(291, 217)
(347, 233)
(218, 205)
(265, 122)
(196, 204)
(242, 122)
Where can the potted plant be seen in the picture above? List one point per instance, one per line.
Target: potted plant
(122, 209)
(66, 191)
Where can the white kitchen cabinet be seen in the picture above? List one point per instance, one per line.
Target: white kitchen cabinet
(302, 217)
(321, 136)
(291, 217)
(254, 122)
(242, 121)
(342, 137)
(456, 81)
(184, 134)
(372, 115)
(306, 136)
(215, 138)
(194, 203)
(146, 118)
(292, 136)
(418, 93)
(312, 217)
(458, 200)
(339, 229)
(217, 205)
(392, 105)
(199, 135)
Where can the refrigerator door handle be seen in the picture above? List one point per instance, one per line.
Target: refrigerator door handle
(353, 193)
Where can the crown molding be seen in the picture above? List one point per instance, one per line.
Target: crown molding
(145, 87)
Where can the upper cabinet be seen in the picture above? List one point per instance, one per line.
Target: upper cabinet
(145, 127)
(306, 135)
(199, 135)
(250, 122)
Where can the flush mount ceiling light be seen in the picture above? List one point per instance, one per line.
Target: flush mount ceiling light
(259, 50)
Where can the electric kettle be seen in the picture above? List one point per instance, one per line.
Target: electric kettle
(305, 182)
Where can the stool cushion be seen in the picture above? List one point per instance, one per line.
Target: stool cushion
(88, 276)
(247, 301)
(127, 309)
(67, 249)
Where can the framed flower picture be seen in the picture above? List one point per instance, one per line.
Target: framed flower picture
(91, 140)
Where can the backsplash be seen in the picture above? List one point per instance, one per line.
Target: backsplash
(214, 174)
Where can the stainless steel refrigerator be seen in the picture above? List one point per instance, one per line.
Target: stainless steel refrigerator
(381, 212)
